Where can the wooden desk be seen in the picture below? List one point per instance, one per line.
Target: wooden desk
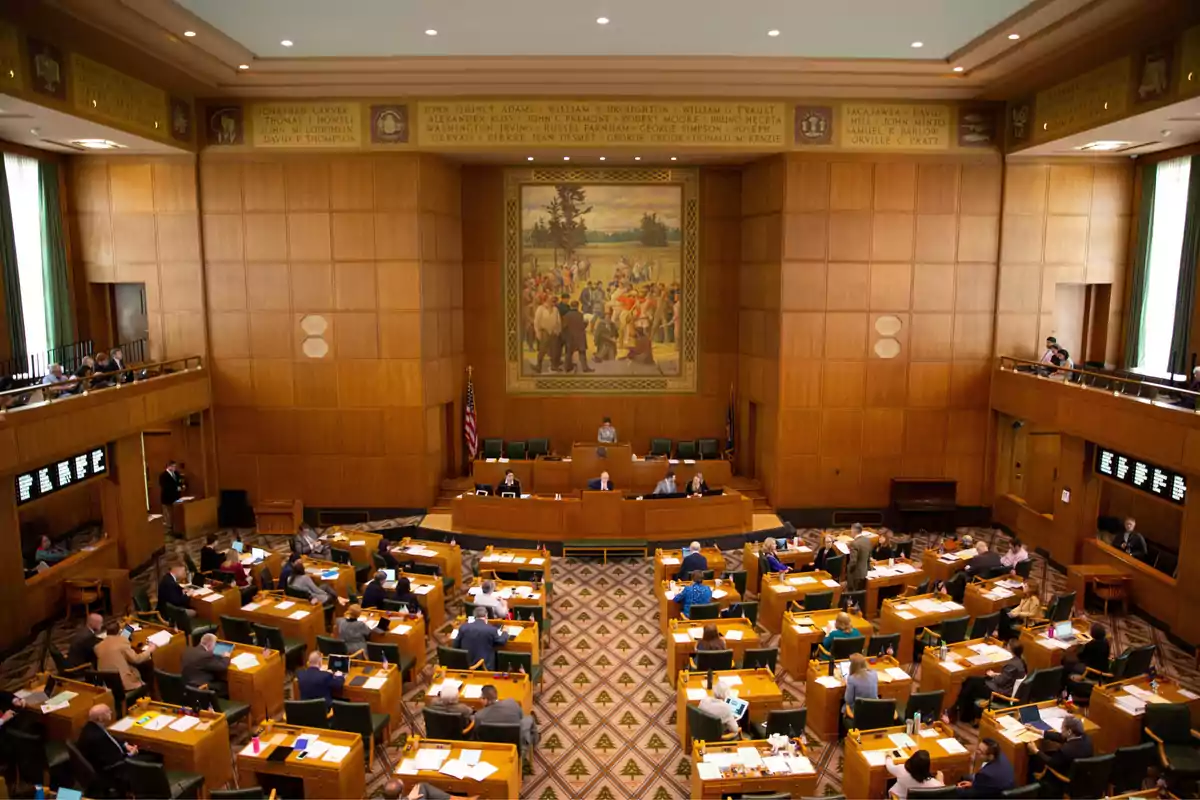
(904, 572)
(211, 604)
(42, 598)
(1080, 576)
(725, 594)
(272, 562)
(261, 685)
(430, 595)
(1005, 727)
(195, 517)
(322, 777)
(361, 545)
(755, 686)
(343, 584)
(507, 560)
(995, 594)
(1042, 652)
(795, 557)
(800, 783)
(862, 780)
(406, 630)
(902, 617)
(949, 675)
(824, 699)
(666, 563)
(687, 517)
(116, 581)
(491, 472)
(682, 636)
(646, 473)
(502, 784)
(1156, 593)
(527, 641)
(572, 473)
(1121, 726)
(167, 657)
(285, 613)
(381, 688)
(64, 724)
(515, 593)
(943, 566)
(278, 517)
(509, 685)
(779, 590)
(203, 749)
(447, 557)
(804, 630)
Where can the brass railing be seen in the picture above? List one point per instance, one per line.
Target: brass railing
(1162, 394)
(43, 393)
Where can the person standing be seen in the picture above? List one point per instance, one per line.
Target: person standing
(860, 559)
(170, 489)
(1132, 542)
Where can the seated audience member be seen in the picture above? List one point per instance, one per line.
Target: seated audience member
(692, 561)
(1058, 750)
(49, 554)
(885, 546)
(694, 593)
(843, 628)
(711, 639)
(1132, 542)
(1015, 555)
(667, 484)
(82, 648)
(447, 700)
(308, 543)
(986, 559)
(995, 775)
(1051, 349)
(170, 589)
(86, 369)
(862, 682)
(353, 631)
(301, 581)
(696, 486)
(507, 711)
(103, 373)
(116, 654)
(915, 773)
(317, 683)
(211, 558)
(601, 484)
(510, 485)
(487, 598)
(201, 666)
(117, 364)
(1062, 360)
(481, 639)
(980, 687)
(770, 554)
(1094, 654)
(825, 551)
(374, 593)
(53, 377)
(405, 594)
(394, 790)
(717, 707)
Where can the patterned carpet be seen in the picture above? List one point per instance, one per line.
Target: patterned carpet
(606, 713)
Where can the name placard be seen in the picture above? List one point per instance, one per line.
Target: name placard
(599, 123)
(895, 126)
(102, 91)
(1093, 97)
(315, 124)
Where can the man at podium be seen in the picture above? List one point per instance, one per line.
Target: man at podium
(607, 433)
(510, 485)
(601, 484)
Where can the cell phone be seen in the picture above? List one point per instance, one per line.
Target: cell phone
(897, 754)
(303, 754)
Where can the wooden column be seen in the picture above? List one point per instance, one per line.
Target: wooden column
(1188, 627)
(124, 502)
(13, 625)
(1070, 520)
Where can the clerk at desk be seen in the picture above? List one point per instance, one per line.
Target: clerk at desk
(510, 485)
(607, 433)
(601, 484)
(667, 484)
(696, 486)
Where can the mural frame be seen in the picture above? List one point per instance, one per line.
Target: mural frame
(686, 381)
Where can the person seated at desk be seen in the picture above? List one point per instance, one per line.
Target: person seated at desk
(607, 433)
(317, 683)
(716, 706)
(1029, 608)
(374, 593)
(47, 553)
(507, 711)
(202, 667)
(82, 649)
(694, 560)
(480, 639)
(915, 773)
(488, 599)
(236, 573)
(770, 555)
(292, 564)
(696, 487)
(1130, 541)
(980, 687)
(694, 593)
(211, 558)
(405, 594)
(510, 485)
(394, 790)
(301, 581)
(843, 628)
(104, 753)
(170, 589)
(985, 559)
(601, 484)
(667, 484)
(385, 552)
(825, 551)
(1064, 748)
(307, 543)
(862, 682)
(353, 632)
(885, 546)
(1095, 654)
(1015, 555)
(116, 654)
(447, 700)
(995, 776)
(711, 639)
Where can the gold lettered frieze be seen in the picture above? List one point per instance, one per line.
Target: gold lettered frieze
(599, 123)
(1189, 62)
(310, 124)
(1095, 96)
(101, 91)
(895, 126)
(10, 56)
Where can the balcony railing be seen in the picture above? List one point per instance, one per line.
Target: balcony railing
(34, 367)
(14, 400)
(1159, 393)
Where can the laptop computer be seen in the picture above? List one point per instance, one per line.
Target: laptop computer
(238, 545)
(391, 574)
(738, 705)
(257, 553)
(339, 664)
(222, 649)
(1064, 631)
(1030, 715)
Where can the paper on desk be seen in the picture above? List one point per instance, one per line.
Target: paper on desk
(374, 683)
(749, 757)
(695, 633)
(950, 605)
(1009, 723)
(402, 629)
(407, 767)
(843, 547)
(251, 606)
(897, 673)
(902, 740)
(519, 559)
(248, 750)
(286, 604)
(335, 753)
(670, 562)
(472, 691)
(514, 630)
(696, 694)
(830, 681)
(536, 562)
(730, 680)
(160, 639)
(800, 765)
(927, 605)
(184, 724)
(776, 765)
(49, 708)
(356, 543)
(301, 614)
(212, 598)
(952, 746)
(316, 747)
(424, 588)
(121, 725)
(1130, 704)
(708, 771)
(831, 584)
(906, 615)
(719, 593)
(1188, 695)
(782, 587)
(875, 758)
(800, 580)
(733, 635)
(470, 757)
(1054, 644)
(159, 722)
(481, 771)
(681, 638)
(980, 659)
(930, 733)
(952, 666)
(904, 569)
(670, 595)
(244, 661)
(454, 768)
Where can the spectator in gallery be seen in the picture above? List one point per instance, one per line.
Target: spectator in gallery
(48, 553)
(1132, 542)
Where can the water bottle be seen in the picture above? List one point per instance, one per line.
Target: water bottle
(256, 744)
(942, 654)
(908, 726)
(917, 722)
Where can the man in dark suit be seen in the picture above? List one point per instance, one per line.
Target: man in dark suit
(394, 790)
(201, 666)
(170, 589)
(601, 484)
(211, 558)
(860, 558)
(984, 560)
(1058, 750)
(83, 644)
(694, 561)
(994, 777)
(316, 682)
(170, 489)
(374, 592)
(1132, 542)
(105, 753)
(480, 639)
(509, 484)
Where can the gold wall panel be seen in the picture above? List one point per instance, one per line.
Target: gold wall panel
(102, 91)
(325, 123)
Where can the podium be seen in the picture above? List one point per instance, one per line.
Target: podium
(589, 459)
(192, 517)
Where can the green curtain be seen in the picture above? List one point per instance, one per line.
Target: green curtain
(60, 317)
(1137, 288)
(8, 273)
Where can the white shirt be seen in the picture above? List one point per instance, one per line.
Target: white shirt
(721, 710)
(493, 602)
(905, 781)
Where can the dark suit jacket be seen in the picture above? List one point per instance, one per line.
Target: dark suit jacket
(1060, 759)
(1003, 683)
(82, 648)
(210, 559)
(171, 592)
(1136, 546)
(501, 488)
(687, 487)
(982, 563)
(168, 487)
(691, 563)
(594, 485)
(501, 711)
(99, 748)
(201, 666)
(317, 683)
(374, 594)
(995, 777)
(480, 640)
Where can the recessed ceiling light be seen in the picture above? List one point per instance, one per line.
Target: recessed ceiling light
(918, 44)
(189, 34)
(1165, 132)
(673, 158)
(431, 32)
(529, 158)
(1105, 145)
(772, 32)
(243, 66)
(637, 158)
(566, 158)
(601, 20)
(96, 144)
(1014, 36)
(286, 42)
(602, 158)
(958, 69)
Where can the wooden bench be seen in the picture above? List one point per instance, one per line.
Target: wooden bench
(605, 547)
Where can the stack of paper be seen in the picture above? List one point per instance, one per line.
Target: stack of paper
(121, 725)
(335, 753)
(430, 758)
(285, 605)
(481, 771)
(830, 681)
(536, 562)
(927, 606)
(831, 584)
(749, 757)
(730, 680)
(777, 765)
(250, 606)
(904, 569)
(374, 683)
(708, 771)
(301, 614)
(719, 593)
(897, 673)
(244, 661)
(160, 639)
(159, 722)
(733, 635)
(951, 666)
(800, 765)
(803, 630)
(1131, 704)
(799, 580)
(906, 615)
(514, 630)
(875, 758)
(681, 638)
(695, 633)
(952, 746)
(670, 562)
(696, 694)
(184, 724)
(902, 740)
(472, 691)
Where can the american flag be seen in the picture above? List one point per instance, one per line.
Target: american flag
(469, 432)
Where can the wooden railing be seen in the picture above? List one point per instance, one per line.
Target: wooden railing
(42, 394)
(33, 367)
(1164, 395)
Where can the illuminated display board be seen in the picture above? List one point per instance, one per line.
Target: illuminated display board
(51, 478)
(1160, 482)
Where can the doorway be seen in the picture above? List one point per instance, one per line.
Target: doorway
(131, 323)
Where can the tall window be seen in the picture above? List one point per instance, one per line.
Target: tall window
(1162, 257)
(24, 194)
